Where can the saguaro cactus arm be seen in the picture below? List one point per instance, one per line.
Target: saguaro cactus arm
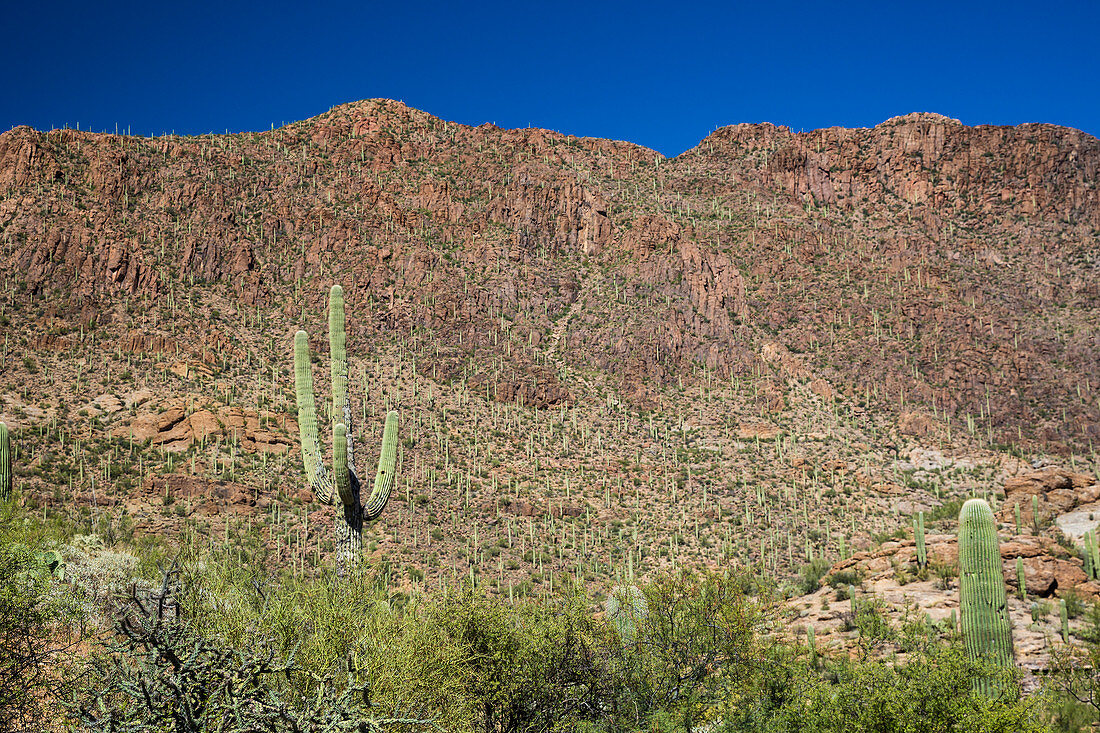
(387, 468)
(307, 421)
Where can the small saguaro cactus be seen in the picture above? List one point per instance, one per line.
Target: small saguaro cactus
(1018, 532)
(812, 644)
(344, 481)
(982, 602)
(918, 534)
(625, 607)
(5, 463)
(1021, 579)
(1063, 612)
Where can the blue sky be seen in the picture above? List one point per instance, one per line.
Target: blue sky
(660, 74)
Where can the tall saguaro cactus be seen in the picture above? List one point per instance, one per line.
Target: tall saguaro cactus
(5, 463)
(982, 602)
(343, 484)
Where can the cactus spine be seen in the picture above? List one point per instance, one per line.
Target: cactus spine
(982, 603)
(5, 463)
(918, 534)
(344, 482)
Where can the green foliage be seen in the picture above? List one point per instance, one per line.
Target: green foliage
(160, 674)
(810, 575)
(700, 648)
(38, 626)
(529, 667)
(982, 602)
(929, 692)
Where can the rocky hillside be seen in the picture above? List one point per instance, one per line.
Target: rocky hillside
(776, 345)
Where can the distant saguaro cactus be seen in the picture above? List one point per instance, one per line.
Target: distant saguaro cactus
(918, 535)
(5, 463)
(344, 482)
(625, 607)
(982, 602)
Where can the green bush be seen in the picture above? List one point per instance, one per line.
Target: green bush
(38, 628)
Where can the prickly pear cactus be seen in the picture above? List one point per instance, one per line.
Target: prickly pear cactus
(982, 602)
(52, 559)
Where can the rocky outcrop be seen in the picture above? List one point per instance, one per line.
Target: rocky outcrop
(1058, 490)
(1049, 568)
(929, 159)
(643, 266)
(174, 426)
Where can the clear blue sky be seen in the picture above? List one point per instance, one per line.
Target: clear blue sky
(659, 74)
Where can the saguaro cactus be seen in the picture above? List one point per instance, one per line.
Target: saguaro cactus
(918, 535)
(344, 482)
(625, 607)
(982, 603)
(5, 463)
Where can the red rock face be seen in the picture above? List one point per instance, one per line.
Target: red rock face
(918, 265)
(1057, 489)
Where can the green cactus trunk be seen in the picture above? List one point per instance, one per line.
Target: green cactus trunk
(918, 534)
(625, 607)
(1094, 555)
(1018, 532)
(344, 482)
(982, 602)
(1021, 579)
(5, 463)
(1064, 614)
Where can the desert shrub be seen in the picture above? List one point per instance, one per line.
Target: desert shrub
(930, 691)
(162, 675)
(698, 649)
(39, 624)
(329, 621)
(810, 575)
(535, 666)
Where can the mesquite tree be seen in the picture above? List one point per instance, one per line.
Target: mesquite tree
(343, 484)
